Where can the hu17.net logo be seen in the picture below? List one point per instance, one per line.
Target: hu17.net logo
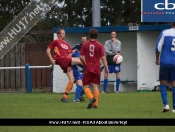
(157, 10)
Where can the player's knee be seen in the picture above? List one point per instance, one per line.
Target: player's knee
(117, 75)
(79, 82)
(71, 79)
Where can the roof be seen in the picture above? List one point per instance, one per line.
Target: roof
(108, 29)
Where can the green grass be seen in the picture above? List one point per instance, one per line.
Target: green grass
(48, 105)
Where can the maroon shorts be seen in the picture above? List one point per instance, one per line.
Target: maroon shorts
(90, 77)
(64, 63)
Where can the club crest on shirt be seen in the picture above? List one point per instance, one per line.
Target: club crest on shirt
(64, 46)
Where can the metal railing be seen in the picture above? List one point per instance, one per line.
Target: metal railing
(28, 77)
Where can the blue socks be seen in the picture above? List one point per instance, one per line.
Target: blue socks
(78, 92)
(105, 84)
(117, 84)
(82, 91)
(163, 94)
(173, 96)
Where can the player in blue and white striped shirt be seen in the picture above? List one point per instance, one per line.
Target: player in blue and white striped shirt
(165, 50)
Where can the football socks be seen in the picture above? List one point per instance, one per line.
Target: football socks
(163, 94)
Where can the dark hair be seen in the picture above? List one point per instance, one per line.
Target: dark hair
(93, 33)
(83, 36)
(58, 31)
(114, 31)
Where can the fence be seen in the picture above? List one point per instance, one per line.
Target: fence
(28, 76)
(19, 55)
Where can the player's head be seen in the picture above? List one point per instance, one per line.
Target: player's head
(173, 24)
(93, 33)
(61, 34)
(113, 34)
(83, 39)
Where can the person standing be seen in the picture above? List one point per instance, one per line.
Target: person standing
(112, 47)
(91, 53)
(78, 71)
(165, 57)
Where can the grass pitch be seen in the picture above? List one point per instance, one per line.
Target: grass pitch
(112, 105)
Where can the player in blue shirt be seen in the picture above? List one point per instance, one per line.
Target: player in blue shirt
(78, 46)
(165, 50)
(78, 75)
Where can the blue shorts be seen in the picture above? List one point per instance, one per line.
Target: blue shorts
(78, 75)
(167, 72)
(114, 68)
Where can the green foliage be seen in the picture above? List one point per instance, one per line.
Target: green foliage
(9, 9)
(75, 13)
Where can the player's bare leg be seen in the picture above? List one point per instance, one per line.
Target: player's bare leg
(76, 61)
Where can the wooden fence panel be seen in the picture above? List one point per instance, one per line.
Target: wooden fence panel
(13, 71)
(38, 63)
(19, 55)
(2, 74)
(27, 53)
(7, 71)
(22, 64)
(48, 72)
(18, 72)
(36, 56)
(33, 63)
(43, 63)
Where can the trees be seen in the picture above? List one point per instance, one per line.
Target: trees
(75, 13)
(9, 9)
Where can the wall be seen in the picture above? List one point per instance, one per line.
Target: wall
(147, 74)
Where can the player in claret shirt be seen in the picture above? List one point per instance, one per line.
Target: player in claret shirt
(91, 53)
(63, 58)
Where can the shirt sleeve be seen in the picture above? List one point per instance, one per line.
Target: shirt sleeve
(52, 45)
(159, 42)
(119, 49)
(75, 47)
(107, 49)
(102, 52)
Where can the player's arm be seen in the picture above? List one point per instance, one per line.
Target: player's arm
(159, 45)
(103, 59)
(75, 48)
(118, 52)
(106, 45)
(82, 53)
(157, 58)
(82, 60)
(48, 52)
(119, 48)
